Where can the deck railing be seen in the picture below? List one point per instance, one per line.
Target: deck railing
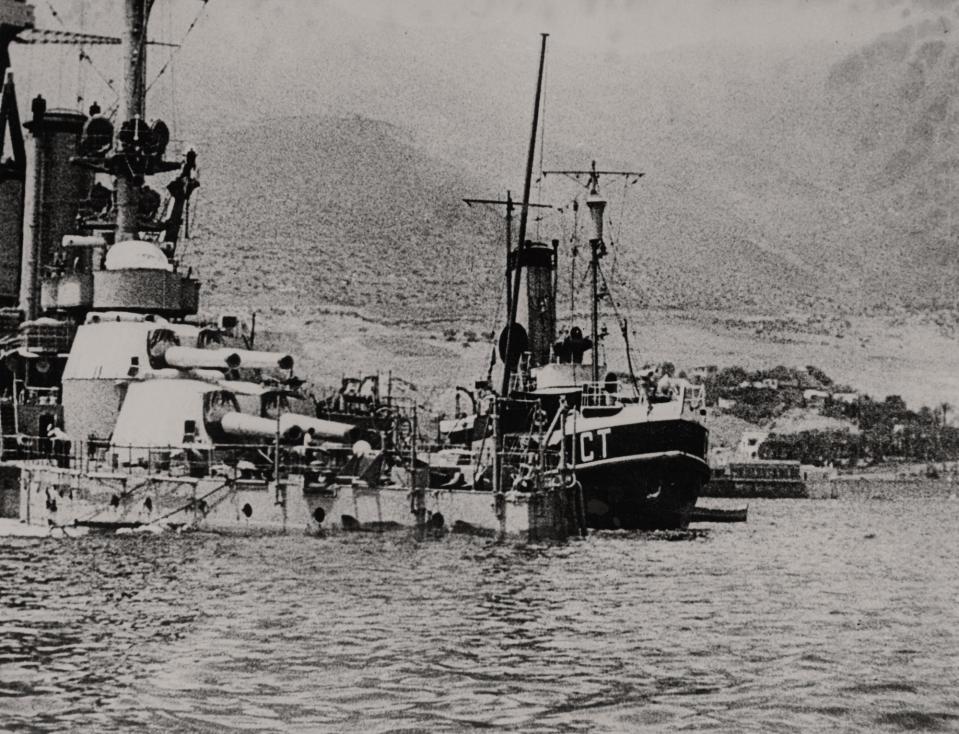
(253, 462)
(607, 394)
(694, 397)
(436, 467)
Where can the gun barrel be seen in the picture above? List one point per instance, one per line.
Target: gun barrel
(190, 357)
(318, 427)
(264, 360)
(242, 425)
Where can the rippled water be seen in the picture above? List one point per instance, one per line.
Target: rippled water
(814, 616)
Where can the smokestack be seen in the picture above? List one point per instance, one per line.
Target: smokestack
(53, 190)
(536, 307)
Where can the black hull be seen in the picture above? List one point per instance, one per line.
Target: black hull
(641, 493)
(636, 473)
(645, 475)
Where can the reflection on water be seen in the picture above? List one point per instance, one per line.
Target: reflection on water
(813, 616)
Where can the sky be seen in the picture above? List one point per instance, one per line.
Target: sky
(459, 76)
(290, 36)
(628, 27)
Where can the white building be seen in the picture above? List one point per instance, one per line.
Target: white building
(815, 398)
(749, 443)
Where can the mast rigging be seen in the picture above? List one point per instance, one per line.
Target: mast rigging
(509, 204)
(597, 244)
(523, 219)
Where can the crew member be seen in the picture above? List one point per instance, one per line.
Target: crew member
(572, 348)
(664, 387)
(60, 443)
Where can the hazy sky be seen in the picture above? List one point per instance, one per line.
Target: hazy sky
(324, 44)
(637, 26)
(456, 74)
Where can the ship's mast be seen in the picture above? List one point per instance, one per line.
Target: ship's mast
(597, 244)
(523, 217)
(133, 106)
(508, 203)
(597, 247)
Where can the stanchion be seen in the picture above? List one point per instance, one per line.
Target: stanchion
(419, 493)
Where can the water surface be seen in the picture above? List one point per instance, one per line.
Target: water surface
(813, 616)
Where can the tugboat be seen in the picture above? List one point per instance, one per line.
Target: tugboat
(639, 455)
(639, 451)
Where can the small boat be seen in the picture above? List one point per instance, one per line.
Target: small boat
(716, 514)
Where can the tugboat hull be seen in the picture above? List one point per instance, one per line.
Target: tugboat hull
(642, 493)
(644, 475)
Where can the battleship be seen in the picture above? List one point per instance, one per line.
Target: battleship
(124, 409)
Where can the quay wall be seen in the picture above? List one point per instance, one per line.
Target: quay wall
(755, 489)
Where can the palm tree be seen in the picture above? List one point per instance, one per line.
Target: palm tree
(944, 409)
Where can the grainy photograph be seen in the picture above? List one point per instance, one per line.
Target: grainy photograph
(454, 365)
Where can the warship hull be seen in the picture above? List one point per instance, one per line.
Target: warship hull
(71, 502)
